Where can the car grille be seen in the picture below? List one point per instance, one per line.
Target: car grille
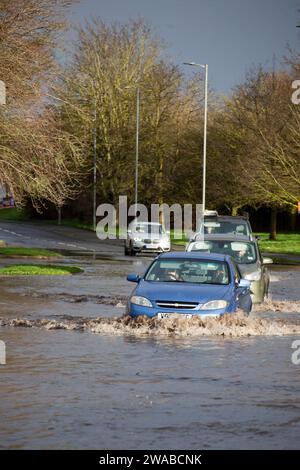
(177, 305)
(150, 241)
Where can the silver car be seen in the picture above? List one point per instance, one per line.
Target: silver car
(146, 237)
(246, 254)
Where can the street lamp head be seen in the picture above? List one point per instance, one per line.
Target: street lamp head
(194, 64)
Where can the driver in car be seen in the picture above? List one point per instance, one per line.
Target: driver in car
(172, 274)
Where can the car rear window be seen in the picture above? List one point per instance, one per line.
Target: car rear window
(239, 227)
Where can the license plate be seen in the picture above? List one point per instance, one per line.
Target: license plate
(174, 316)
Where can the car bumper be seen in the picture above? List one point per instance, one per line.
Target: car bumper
(151, 312)
(150, 248)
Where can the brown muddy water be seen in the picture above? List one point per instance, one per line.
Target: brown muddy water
(81, 375)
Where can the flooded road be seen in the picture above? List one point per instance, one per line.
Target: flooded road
(79, 377)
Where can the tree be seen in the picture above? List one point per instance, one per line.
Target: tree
(109, 63)
(260, 112)
(37, 158)
(29, 34)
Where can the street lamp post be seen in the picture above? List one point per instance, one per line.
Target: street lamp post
(137, 146)
(137, 132)
(95, 166)
(204, 66)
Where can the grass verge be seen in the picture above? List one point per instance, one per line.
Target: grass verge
(12, 213)
(18, 251)
(39, 270)
(288, 243)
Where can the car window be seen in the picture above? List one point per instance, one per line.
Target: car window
(145, 228)
(189, 271)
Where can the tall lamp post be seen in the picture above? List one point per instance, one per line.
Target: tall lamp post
(137, 133)
(95, 166)
(204, 66)
(137, 146)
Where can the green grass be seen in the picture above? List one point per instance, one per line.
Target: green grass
(75, 223)
(30, 252)
(38, 270)
(175, 238)
(286, 243)
(12, 214)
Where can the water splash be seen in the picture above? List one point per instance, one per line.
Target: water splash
(235, 326)
(284, 306)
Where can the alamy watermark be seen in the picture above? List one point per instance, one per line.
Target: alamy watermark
(114, 220)
(296, 354)
(296, 94)
(2, 353)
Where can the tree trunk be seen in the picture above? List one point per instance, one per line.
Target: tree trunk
(59, 215)
(293, 219)
(162, 217)
(273, 225)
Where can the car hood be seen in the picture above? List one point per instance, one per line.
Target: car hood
(181, 292)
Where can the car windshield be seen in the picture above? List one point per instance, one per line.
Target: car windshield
(233, 227)
(148, 228)
(241, 252)
(189, 271)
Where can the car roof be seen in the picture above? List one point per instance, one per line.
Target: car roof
(229, 218)
(194, 255)
(225, 237)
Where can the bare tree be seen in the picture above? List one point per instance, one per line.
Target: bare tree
(38, 159)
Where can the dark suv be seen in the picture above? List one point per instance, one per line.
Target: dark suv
(224, 224)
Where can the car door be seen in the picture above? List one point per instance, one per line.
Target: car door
(242, 294)
(264, 273)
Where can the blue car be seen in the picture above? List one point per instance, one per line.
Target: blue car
(186, 284)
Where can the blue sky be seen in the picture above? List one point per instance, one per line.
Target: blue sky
(230, 35)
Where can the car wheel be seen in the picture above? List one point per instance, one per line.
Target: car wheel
(267, 292)
(131, 251)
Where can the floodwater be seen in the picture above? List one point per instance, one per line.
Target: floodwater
(81, 375)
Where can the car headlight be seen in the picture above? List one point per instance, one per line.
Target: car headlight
(214, 305)
(138, 239)
(255, 276)
(138, 300)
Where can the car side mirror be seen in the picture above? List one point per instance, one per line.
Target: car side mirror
(267, 261)
(133, 277)
(244, 283)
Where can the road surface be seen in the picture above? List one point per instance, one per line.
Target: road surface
(54, 237)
